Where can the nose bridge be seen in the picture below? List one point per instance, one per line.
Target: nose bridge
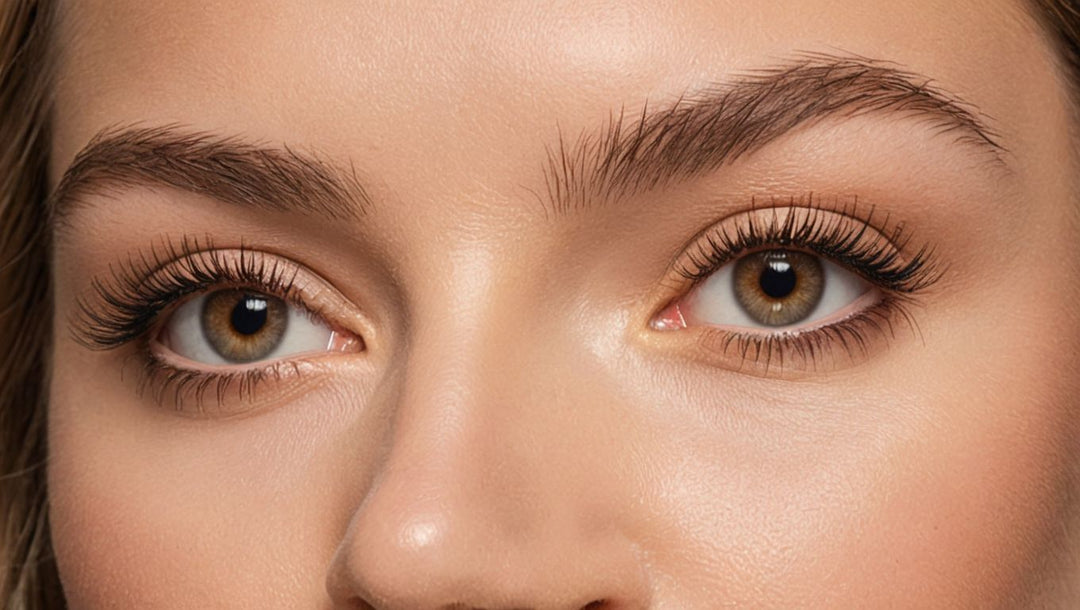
(480, 415)
(465, 405)
(462, 425)
(484, 493)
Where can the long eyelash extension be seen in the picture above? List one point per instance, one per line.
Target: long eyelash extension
(123, 307)
(841, 235)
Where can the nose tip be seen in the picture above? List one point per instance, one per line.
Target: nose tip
(447, 528)
(437, 553)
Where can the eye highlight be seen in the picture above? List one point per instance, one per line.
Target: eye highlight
(791, 286)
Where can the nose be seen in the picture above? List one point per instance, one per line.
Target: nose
(497, 490)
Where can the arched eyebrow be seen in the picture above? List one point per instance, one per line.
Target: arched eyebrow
(700, 132)
(227, 169)
(704, 130)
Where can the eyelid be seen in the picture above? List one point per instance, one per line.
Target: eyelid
(867, 244)
(131, 301)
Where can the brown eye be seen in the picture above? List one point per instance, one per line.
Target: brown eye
(244, 326)
(772, 289)
(778, 287)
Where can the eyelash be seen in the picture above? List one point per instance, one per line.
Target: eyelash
(126, 307)
(842, 235)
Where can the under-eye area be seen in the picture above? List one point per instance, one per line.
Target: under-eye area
(212, 321)
(808, 285)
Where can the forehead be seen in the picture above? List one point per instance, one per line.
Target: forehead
(421, 93)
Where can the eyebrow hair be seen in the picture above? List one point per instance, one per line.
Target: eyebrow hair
(228, 169)
(705, 130)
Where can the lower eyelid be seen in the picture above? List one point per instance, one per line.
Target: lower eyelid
(339, 342)
(197, 393)
(864, 302)
(843, 341)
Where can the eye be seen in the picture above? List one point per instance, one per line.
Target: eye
(771, 289)
(242, 326)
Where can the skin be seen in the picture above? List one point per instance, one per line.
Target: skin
(515, 435)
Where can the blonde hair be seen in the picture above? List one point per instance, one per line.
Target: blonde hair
(28, 577)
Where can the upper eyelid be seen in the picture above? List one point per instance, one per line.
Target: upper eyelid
(116, 310)
(842, 232)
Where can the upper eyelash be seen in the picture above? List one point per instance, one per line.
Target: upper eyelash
(840, 235)
(125, 306)
(873, 249)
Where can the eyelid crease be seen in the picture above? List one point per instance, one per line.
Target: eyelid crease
(125, 306)
(841, 232)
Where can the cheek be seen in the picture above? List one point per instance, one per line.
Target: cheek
(982, 485)
(970, 502)
(931, 483)
(151, 510)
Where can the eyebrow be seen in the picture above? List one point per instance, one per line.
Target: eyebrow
(228, 169)
(705, 130)
(700, 132)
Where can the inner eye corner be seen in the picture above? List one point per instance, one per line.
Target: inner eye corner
(669, 316)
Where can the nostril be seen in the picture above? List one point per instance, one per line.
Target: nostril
(598, 604)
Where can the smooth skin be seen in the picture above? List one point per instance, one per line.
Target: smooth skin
(515, 434)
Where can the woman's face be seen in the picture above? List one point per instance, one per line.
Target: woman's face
(562, 305)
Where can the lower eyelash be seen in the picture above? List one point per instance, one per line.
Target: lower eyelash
(854, 335)
(169, 385)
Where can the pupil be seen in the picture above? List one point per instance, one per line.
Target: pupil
(249, 315)
(777, 279)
